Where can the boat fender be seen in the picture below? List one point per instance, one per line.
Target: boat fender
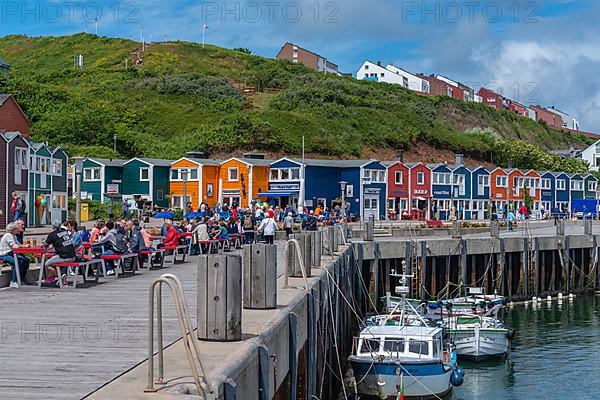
(456, 379)
(511, 334)
(460, 371)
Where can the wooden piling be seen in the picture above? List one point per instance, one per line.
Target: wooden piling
(293, 265)
(260, 276)
(219, 305)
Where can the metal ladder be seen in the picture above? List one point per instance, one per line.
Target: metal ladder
(185, 325)
(532, 264)
(414, 270)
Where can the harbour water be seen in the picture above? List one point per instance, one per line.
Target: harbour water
(555, 355)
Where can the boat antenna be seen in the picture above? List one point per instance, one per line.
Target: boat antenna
(403, 290)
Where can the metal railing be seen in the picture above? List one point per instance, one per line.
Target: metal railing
(185, 325)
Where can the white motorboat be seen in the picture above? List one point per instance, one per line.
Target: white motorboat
(478, 337)
(400, 352)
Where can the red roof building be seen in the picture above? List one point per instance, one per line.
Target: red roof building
(12, 117)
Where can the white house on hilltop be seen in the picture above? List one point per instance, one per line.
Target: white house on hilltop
(592, 156)
(391, 74)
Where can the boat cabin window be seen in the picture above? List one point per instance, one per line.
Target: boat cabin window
(436, 348)
(418, 347)
(394, 345)
(370, 346)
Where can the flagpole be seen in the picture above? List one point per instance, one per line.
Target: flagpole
(203, 30)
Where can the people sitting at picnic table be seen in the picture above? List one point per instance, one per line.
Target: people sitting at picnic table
(137, 242)
(200, 233)
(7, 244)
(112, 242)
(232, 226)
(75, 234)
(21, 235)
(60, 240)
(96, 234)
(223, 233)
(171, 235)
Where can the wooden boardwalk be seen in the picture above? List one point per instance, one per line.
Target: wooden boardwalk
(65, 344)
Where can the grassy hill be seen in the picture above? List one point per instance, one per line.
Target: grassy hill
(186, 98)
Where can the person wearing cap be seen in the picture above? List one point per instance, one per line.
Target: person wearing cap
(60, 240)
(288, 224)
(7, 244)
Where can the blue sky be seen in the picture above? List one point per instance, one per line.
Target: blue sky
(544, 52)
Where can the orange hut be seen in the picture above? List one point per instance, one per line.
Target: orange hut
(241, 179)
(499, 187)
(201, 185)
(516, 182)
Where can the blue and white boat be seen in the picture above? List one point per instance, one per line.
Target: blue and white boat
(401, 351)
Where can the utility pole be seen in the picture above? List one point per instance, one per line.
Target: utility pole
(115, 142)
(184, 177)
(77, 188)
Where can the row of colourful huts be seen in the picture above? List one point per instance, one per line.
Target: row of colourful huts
(370, 187)
(35, 172)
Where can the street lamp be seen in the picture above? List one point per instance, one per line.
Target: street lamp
(184, 178)
(343, 185)
(77, 188)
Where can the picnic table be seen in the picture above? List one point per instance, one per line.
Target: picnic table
(37, 251)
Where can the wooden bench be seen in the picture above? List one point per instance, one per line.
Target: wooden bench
(151, 257)
(78, 267)
(175, 250)
(120, 259)
(434, 224)
(213, 245)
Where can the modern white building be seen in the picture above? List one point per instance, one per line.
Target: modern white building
(391, 74)
(592, 156)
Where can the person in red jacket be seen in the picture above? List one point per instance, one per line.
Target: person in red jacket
(172, 238)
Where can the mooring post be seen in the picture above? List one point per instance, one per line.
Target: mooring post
(293, 266)
(494, 229)
(315, 240)
(220, 297)
(560, 227)
(456, 230)
(260, 276)
(587, 227)
(370, 229)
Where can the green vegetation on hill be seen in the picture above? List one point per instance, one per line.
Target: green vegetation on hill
(186, 98)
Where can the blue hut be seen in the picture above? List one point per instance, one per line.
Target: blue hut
(562, 196)
(548, 190)
(366, 190)
(480, 193)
